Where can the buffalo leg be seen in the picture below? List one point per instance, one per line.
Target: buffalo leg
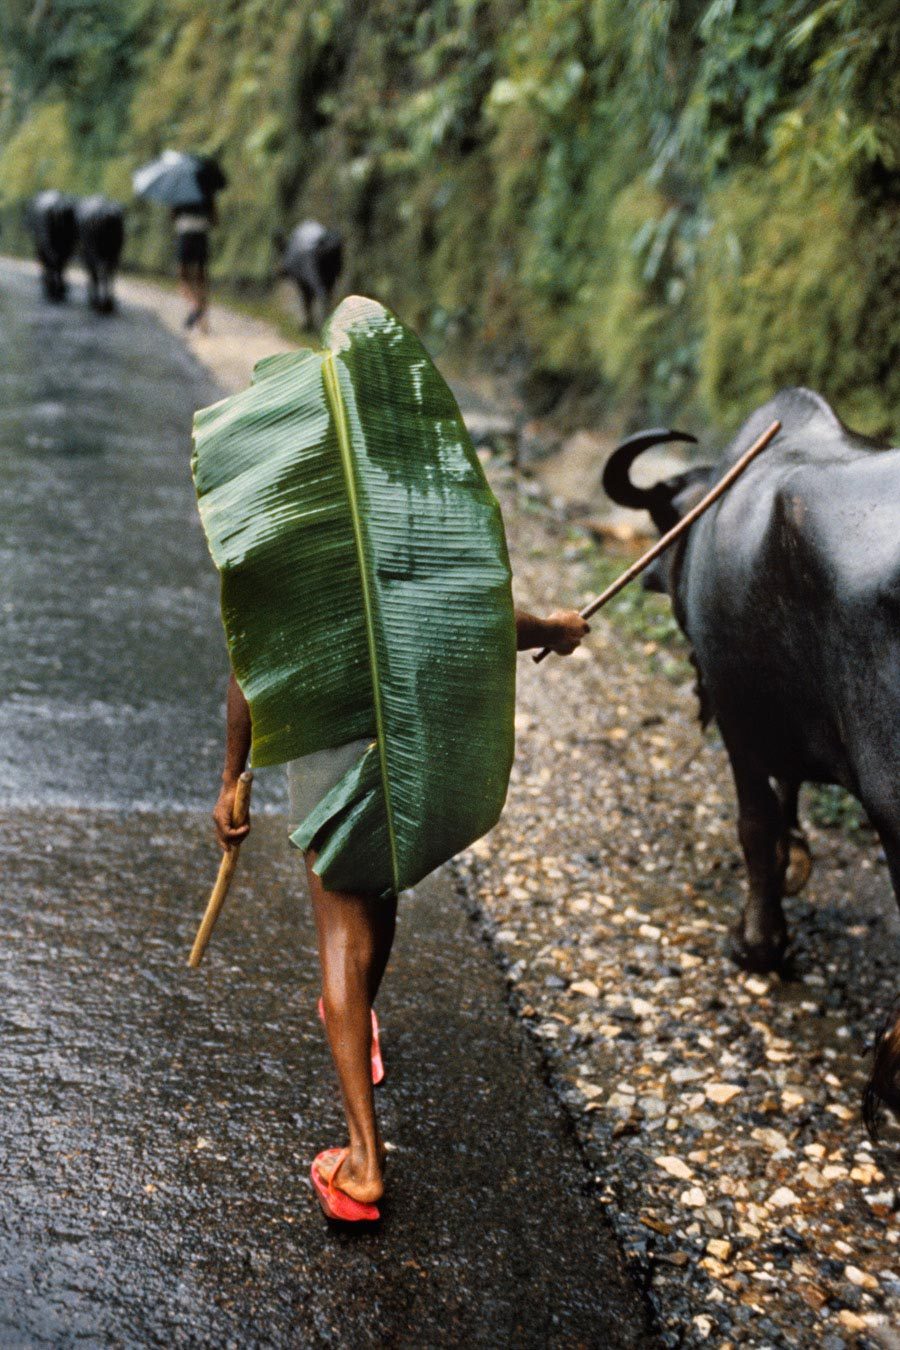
(104, 289)
(794, 841)
(321, 303)
(52, 278)
(306, 296)
(883, 1087)
(760, 935)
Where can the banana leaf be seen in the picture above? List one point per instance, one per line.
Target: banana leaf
(366, 594)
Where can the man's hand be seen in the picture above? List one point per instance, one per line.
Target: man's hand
(227, 835)
(238, 735)
(564, 630)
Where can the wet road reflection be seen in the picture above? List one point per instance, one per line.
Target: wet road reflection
(112, 659)
(156, 1126)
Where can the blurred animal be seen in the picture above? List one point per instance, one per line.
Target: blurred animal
(313, 257)
(788, 590)
(51, 220)
(101, 234)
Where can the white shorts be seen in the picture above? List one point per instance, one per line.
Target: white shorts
(312, 776)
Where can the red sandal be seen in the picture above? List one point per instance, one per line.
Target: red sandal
(337, 1204)
(377, 1061)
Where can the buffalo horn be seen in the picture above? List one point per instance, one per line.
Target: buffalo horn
(617, 482)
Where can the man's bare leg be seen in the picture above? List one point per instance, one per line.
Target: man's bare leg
(355, 934)
(185, 287)
(201, 293)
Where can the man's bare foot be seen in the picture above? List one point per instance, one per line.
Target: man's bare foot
(357, 1177)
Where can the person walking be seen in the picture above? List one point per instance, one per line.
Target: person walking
(367, 601)
(355, 933)
(187, 184)
(192, 229)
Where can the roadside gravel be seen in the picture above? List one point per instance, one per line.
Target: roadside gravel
(719, 1110)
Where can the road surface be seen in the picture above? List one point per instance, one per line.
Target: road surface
(157, 1124)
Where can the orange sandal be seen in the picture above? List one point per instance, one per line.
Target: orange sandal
(337, 1204)
(377, 1061)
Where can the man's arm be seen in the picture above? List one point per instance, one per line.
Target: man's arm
(238, 735)
(561, 631)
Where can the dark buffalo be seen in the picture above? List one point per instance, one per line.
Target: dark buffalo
(51, 220)
(789, 593)
(101, 234)
(313, 257)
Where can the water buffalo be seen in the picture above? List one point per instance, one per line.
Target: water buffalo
(312, 257)
(51, 220)
(101, 234)
(789, 593)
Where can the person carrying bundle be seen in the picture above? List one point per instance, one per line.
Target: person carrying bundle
(355, 933)
(192, 228)
(367, 603)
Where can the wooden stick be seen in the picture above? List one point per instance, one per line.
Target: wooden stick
(675, 533)
(239, 813)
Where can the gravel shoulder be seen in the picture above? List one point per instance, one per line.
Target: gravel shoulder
(718, 1110)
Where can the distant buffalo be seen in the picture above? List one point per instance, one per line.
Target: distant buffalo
(51, 220)
(101, 234)
(313, 257)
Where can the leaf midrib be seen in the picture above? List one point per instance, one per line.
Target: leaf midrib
(338, 411)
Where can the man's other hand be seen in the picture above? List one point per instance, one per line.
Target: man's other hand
(228, 835)
(565, 629)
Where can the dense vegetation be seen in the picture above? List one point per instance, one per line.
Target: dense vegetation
(673, 201)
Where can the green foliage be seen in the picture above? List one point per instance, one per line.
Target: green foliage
(645, 616)
(831, 808)
(334, 493)
(767, 261)
(690, 202)
(79, 53)
(39, 154)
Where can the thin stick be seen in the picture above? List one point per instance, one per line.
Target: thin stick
(675, 533)
(239, 813)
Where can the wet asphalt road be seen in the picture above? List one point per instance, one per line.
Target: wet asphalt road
(111, 657)
(156, 1126)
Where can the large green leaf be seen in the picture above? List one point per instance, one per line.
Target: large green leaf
(365, 594)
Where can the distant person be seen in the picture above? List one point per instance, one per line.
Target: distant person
(192, 227)
(101, 234)
(187, 185)
(51, 220)
(313, 257)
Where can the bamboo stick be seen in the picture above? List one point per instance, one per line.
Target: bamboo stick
(675, 533)
(239, 813)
